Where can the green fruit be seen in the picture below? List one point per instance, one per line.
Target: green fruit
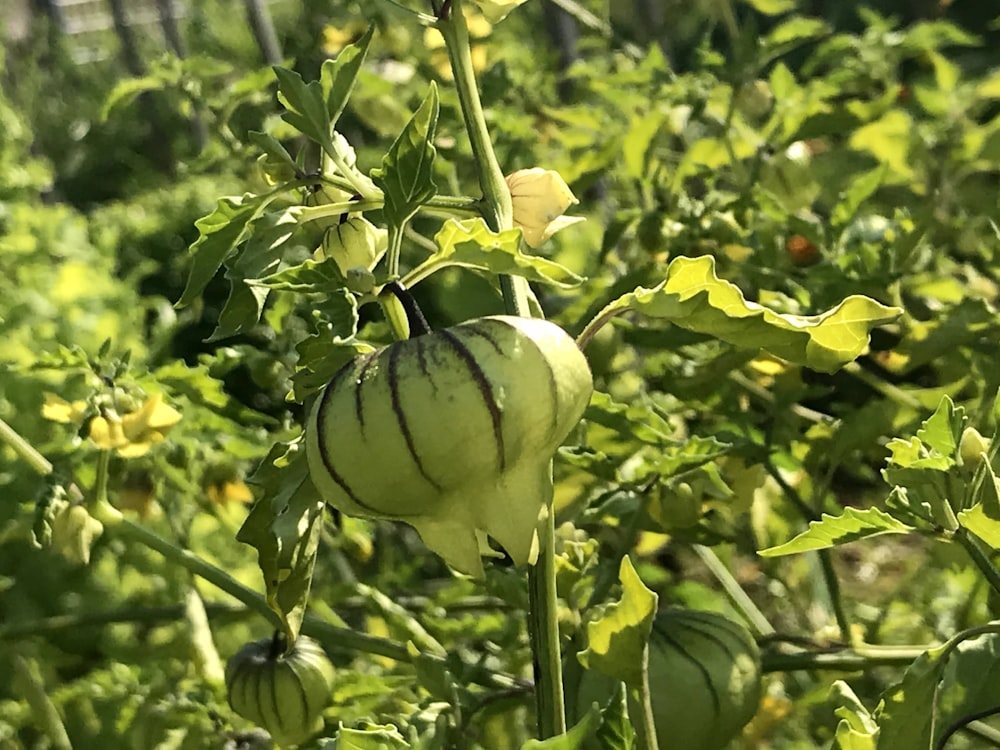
(704, 679)
(283, 692)
(452, 432)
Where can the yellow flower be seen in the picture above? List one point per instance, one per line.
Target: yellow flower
(496, 10)
(59, 410)
(229, 491)
(134, 434)
(335, 39)
(540, 196)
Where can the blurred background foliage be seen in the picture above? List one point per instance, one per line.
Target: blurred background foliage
(817, 149)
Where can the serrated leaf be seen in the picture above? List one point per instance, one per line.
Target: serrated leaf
(309, 276)
(337, 76)
(616, 643)
(407, 173)
(261, 255)
(472, 244)
(616, 731)
(833, 530)
(693, 297)
(305, 105)
(284, 527)
(571, 740)
(220, 232)
(943, 429)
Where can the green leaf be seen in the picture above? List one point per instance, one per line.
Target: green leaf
(305, 106)
(472, 244)
(615, 731)
(943, 429)
(693, 297)
(833, 530)
(571, 740)
(616, 643)
(272, 147)
(375, 737)
(983, 518)
(309, 276)
(906, 712)
(857, 729)
(261, 255)
(320, 356)
(970, 681)
(125, 92)
(406, 177)
(337, 76)
(771, 7)
(793, 33)
(230, 224)
(284, 526)
(862, 188)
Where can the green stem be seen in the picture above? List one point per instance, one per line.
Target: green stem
(645, 701)
(857, 659)
(890, 391)
(24, 449)
(497, 206)
(734, 591)
(497, 211)
(543, 626)
(29, 680)
(126, 614)
(979, 556)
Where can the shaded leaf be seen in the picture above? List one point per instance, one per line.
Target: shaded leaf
(616, 643)
(337, 76)
(905, 715)
(615, 731)
(376, 737)
(219, 233)
(862, 188)
(406, 176)
(693, 297)
(284, 526)
(305, 106)
(833, 530)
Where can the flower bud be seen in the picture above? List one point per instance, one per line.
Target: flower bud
(972, 446)
(540, 196)
(354, 243)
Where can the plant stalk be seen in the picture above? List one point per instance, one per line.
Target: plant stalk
(979, 556)
(497, 210)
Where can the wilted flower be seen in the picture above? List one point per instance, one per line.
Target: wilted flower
(540, 196)
(134, 434)
(496, 10)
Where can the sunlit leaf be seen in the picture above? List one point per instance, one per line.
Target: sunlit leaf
(693, 297)
(857, 729)
(337, 76)
(833, 530)
(571, 740)
(472, 244)
(616, 643)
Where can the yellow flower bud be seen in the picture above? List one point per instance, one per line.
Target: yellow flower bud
(540, 196)
(496, 10)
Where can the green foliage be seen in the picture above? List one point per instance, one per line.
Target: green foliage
(786, 287)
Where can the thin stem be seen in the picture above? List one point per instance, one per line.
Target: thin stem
(734, 591)
(854, 659)
(964, 722)
(645, 700)
(979, 556)
(29, 679)
(126, 614)
(24, 449)
(890, 391)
